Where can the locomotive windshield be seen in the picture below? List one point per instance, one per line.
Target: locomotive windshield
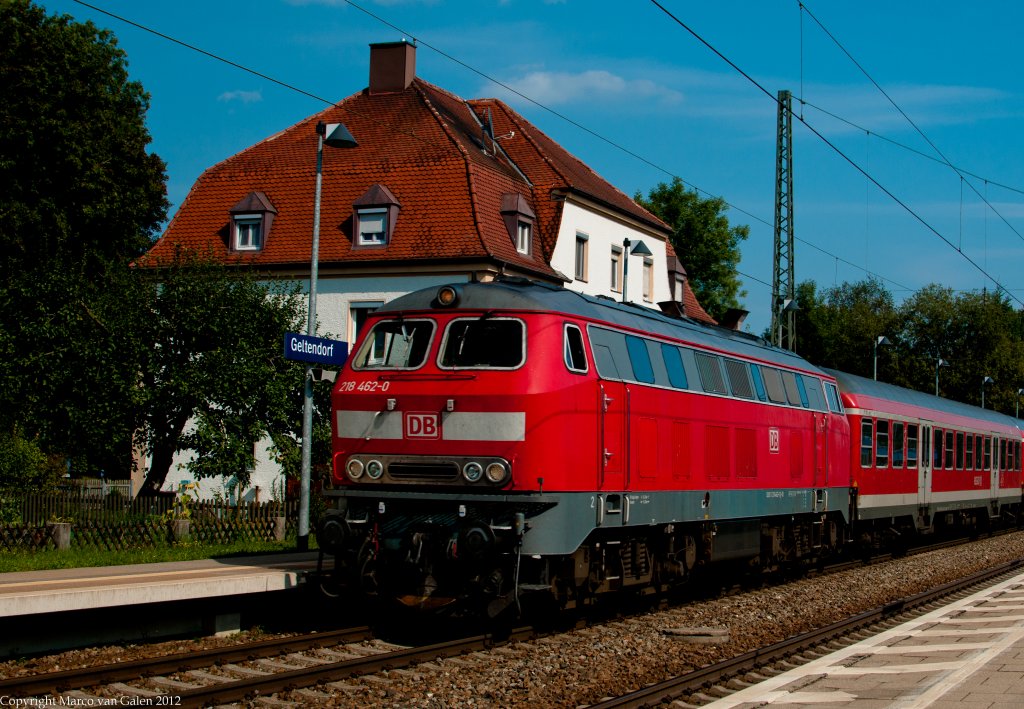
(484, 343)
(395, 344)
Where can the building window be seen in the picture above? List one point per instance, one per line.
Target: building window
(616, 264)
(251, 222)
(524, 237)
(582, 241)
(648, 281)
(248, 232)
(357, 315)
(372, 229)
(519, 219)
(373, 218)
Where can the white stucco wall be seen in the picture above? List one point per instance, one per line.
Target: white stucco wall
(603, 233)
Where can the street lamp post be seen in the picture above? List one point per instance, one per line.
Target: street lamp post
(880, 340)
(939, 363)
(984, 381)
(639, 248)
(335, 135)
(1016, 413)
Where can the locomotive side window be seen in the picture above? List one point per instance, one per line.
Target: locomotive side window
(575, 354)
(912, 445)
(395, 344)
(610, 354)
(755, 374)
(949, 451)
(866, 439)
(937, 449)
(897, 444)
(484, 343)
(674, 366)
(773, 383)
(639, 360)
(739, 380)
(710, 369)
(832, 394)
(792, 390)
(882, 444)
(815, 399)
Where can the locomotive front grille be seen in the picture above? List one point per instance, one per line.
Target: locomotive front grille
(423, 471)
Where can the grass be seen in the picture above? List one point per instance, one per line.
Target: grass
(185, 551)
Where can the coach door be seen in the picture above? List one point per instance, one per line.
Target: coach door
(924, 467)
(613, 410)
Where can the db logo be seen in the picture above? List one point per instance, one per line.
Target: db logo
(422, 425)
(773, 440)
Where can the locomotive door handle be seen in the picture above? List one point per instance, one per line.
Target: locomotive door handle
(607, 456)
(607, 402)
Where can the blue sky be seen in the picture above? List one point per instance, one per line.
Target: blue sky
(630, 74)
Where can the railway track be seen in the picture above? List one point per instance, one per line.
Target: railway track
(199, 687)
(720, 679)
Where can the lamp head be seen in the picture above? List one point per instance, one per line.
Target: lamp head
(336, 135)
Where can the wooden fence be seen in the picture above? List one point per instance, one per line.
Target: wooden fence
(72, 519)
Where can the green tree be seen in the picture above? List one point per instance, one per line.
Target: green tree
(79, 196)
(214, 377)
(707, 246)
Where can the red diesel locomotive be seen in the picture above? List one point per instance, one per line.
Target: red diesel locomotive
(496, 439)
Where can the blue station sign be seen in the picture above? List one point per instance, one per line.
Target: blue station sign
(319, 350)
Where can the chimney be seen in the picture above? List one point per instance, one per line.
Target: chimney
(392, 66)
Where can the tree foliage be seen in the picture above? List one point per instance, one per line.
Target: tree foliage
(976, 335)
(707, 246)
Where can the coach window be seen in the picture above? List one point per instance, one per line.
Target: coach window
(639, 360)
(674, 366)
(959, 450)
(739, 380)
(988, 453)
(912, 445)
(575, 354)
(949, 451)
(710, 369)
(866, 441)
(484, 343)
(897, 444)
(773, 383)
(969, 452)
(937, 449)
(882, 444)
(1016, 454)
(979, 442)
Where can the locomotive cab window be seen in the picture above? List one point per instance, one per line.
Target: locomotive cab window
(395, 344)
(575, 354)
(483, 343)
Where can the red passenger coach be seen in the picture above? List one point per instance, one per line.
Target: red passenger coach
(494, 439)
(922, 464)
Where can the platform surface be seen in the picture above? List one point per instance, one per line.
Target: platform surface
(966, 655)
(55, 590)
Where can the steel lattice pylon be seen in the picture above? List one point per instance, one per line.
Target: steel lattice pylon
(783, 283)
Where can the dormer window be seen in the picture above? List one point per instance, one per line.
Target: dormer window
(248, 232)
(524, 237)
(519, 220)
(373, 218)
(251, 220)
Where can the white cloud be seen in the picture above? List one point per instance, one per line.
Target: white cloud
(242, 96)
(552, 88)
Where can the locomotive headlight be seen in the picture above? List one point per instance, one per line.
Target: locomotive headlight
(497, 472)
(354, 469)
(472, 471)
(447, 296)
(374, 469)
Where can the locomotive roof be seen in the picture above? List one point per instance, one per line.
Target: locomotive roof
(522, 294)
(852, 384)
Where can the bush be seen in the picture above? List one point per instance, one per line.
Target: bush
(23, 466)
